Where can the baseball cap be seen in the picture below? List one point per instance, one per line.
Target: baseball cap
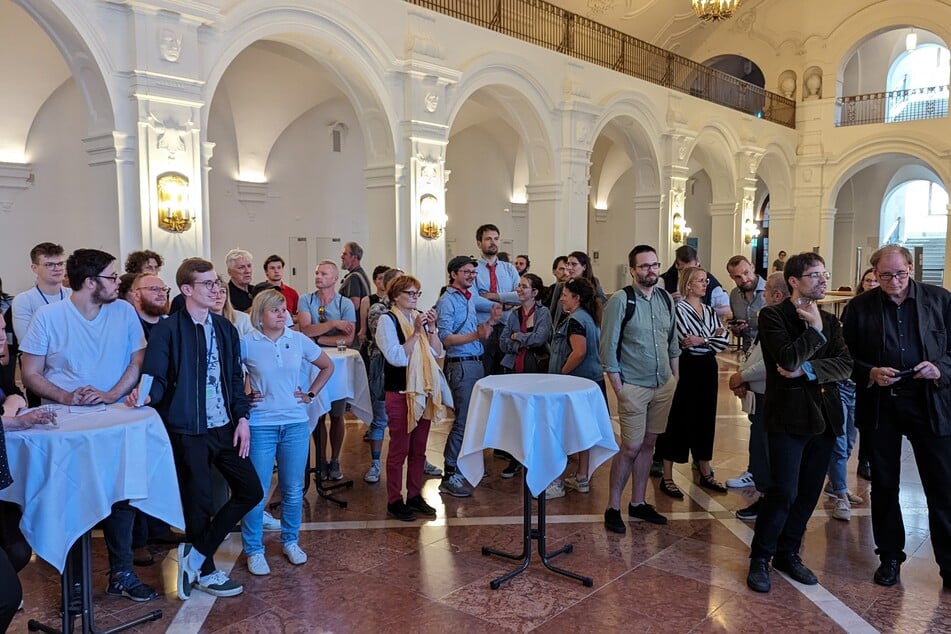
(460, 261)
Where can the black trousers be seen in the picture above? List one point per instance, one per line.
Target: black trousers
(14, 556)
(194, 457)
(691, 425)
(797, 469)
(908, 416)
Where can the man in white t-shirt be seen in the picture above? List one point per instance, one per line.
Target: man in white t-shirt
(84, 351)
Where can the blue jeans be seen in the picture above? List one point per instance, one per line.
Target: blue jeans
(461, 376)
(377, 395)
(290, 444)
(844, 443)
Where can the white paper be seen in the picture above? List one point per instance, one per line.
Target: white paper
(145, 384)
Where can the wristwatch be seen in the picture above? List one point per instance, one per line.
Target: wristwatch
(311, 395)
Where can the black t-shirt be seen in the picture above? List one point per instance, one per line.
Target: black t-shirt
(240, 299)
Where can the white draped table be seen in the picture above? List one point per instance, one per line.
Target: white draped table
(540, 419)
(349, 382)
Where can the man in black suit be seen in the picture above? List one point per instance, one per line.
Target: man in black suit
(898, 335)
(805, 355)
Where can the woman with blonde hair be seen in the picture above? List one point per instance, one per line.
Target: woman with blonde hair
(274, 355)
(416, 393)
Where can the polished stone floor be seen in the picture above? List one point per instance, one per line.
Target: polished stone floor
(370, 574)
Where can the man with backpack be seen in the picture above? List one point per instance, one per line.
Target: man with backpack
(640, 354)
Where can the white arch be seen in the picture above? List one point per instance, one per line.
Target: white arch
(643, 135)
(775, 169)
(350, 51)
(715, 148)
(528, 108)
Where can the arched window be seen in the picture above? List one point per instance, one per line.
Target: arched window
(917, 84)
(915, 214)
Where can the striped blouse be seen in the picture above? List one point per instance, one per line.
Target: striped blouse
(704, 325)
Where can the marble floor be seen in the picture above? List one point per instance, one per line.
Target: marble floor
(370, 574)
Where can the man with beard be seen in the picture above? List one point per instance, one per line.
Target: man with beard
(746, 299)
(87, 350)
(150, 300)
(641, 356)
(494, 284)
(804, 355)
(238, 262)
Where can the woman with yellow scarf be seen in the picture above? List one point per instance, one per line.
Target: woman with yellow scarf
(416, 393)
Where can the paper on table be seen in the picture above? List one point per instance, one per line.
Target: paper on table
(145, 384)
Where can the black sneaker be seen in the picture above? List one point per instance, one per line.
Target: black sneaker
(418, 504)
(613, 521)
(400, 511)
(512, 470)
(127, 584)
(750, 513)
(792, 565)
(646, 512)
(758, 577)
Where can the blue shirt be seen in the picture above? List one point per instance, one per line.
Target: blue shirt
(338, 308)
(507, 277)
(456, 315)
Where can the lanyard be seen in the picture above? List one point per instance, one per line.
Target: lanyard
(37, 287)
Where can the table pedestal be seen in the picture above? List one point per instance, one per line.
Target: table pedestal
(528, 534)
(77, 596)
(326, 492)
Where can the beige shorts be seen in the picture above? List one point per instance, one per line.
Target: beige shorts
(644, 409)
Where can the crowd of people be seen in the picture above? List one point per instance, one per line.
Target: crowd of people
(226, 359)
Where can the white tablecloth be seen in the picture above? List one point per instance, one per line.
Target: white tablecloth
(540, 419)
(67, 478)
(349, 382)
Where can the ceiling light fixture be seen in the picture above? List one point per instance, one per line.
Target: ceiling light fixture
(715, 10)
(911, 41)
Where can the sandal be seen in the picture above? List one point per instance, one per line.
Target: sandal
(708, 482)
(670, 489)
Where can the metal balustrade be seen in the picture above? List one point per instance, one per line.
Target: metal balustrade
(546, 25)
(891, 107)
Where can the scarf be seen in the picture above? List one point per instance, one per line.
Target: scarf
(427, 393)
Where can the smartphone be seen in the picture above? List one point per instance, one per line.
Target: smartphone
(904, 373)
(735, 322)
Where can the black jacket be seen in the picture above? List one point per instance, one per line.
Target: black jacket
(865, 336)
(801, 406)
(176, 357)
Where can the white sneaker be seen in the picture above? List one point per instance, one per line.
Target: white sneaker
(294, 554)
(574, 483)
(270, 523)
(741, 481)
(373, 474)
(853, 499)
(257, 565)
(842, 510)
(555, 490)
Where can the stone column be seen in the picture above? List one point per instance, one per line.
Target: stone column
(724, 240)
(647, 220)
(383, 195)
(545, 239)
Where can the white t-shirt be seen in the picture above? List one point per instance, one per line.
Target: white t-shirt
(25, 304)
(275, 369)
(82, 352)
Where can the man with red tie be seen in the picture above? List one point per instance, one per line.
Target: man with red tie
(494, 284)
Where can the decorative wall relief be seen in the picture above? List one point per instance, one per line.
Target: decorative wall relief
(170, 44)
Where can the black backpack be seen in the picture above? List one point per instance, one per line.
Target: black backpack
(629, 309)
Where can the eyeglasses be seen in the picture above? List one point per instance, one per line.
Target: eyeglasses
(210, 285)
(413, 294)
(888, 277)
(816, 275)
(467, 271)
(653, 266)
(54, 265)
(155, 289)
(524, 287)
(321, 317)
(112, 277)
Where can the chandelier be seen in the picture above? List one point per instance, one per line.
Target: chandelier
(715, 10)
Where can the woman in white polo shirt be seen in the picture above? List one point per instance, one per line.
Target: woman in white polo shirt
(273, 355)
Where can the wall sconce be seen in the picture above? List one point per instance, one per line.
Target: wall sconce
(432, 220)
(681, 230)
(750, 231)
(174, 213)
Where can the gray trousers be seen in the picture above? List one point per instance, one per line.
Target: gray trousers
(461, 376)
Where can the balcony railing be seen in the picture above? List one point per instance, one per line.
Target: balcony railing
(551, 27)
(890, 107)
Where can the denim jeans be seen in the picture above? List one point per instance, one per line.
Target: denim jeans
(117, 531)
(377, 395)
(844, 443)
(461, 376)
(290, 444)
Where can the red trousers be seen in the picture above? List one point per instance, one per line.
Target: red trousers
(404, 444)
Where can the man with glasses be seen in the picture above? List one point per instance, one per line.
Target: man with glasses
(462, 335)
(84, 351)
(328, 318)
(198, 390)
(804, 355)
(641, 356)
(746, 299)
(898, 336)
(150, 299)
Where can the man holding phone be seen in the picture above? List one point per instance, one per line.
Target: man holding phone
(746, 299)
(897, 334)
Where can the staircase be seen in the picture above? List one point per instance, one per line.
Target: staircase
(932, 269)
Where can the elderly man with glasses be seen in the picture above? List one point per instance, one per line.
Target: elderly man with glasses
(898, 336)
(66, 360)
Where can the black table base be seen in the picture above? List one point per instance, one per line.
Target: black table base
(77, 596)
(326, 492)
(528, 534)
